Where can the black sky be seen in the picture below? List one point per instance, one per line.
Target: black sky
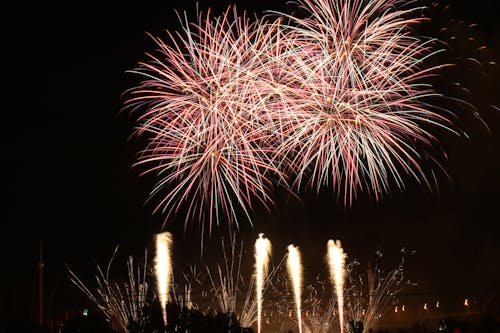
(68, 180)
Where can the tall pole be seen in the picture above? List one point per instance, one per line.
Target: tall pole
(40, 288)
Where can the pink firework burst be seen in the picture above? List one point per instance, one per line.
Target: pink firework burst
(358, 111)
(202, 106)
(337, 97)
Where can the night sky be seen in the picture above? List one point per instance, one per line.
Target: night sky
(68, 180)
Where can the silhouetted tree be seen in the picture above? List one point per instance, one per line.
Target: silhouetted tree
(182, 319)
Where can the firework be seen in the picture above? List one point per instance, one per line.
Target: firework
(123, 304)
(467, 82)
(368, 295)
(294, 267)
(336, 263)
(262, 254)
(203, 108)
(340, 96)
(163, 269)
(360, 116)
(234, 290)
(319, 307)
(371, 294)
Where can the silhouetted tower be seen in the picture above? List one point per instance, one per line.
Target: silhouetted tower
(40, 288)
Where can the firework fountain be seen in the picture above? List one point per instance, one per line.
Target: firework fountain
(366, 297)
(262, 254)
(226, 287)
(163, 269)
(336, 263)
(294, 267)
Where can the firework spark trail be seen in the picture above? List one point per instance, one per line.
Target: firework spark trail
(226, 288)
(383, 288)
(122, 303)
(336, 263)
(294, 266)
(163, 269)
(262, 254)
(202, 105)
(319, 307)
(360, 108)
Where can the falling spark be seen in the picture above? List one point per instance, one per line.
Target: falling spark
(262, 254)
(336, 263)
(163, 269)
(396, 309)
(403, 308)
(121, 302)
(295, 271)
(425, 306)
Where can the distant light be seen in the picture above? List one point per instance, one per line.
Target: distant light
(442, 326)
(437, 304)
(425, 306)
(396, 309)
(85, 312)
(403, 308)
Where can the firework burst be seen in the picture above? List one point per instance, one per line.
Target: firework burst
(359, 118)
(204, 104)
(338, 96)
